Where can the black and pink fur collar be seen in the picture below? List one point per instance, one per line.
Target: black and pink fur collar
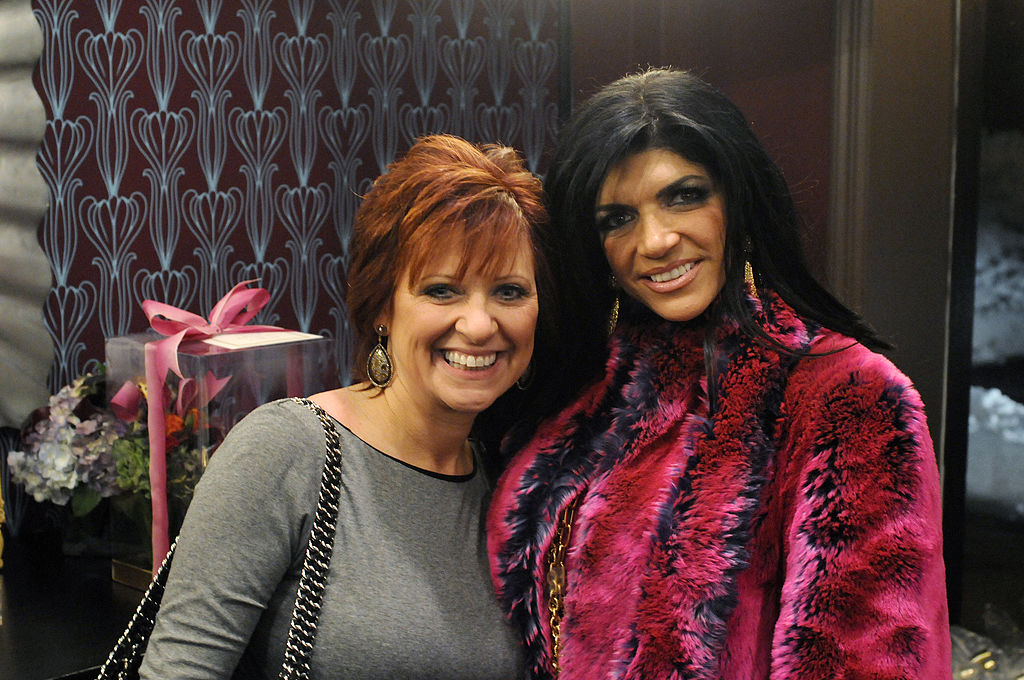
(649, 411)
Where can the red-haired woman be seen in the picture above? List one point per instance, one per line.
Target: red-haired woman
(444, 296)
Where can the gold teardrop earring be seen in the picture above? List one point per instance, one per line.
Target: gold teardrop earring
(379, 368)
(613, 316)
(748, 269)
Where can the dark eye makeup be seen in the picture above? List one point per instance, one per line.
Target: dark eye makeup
(687, 192)
(611, 219)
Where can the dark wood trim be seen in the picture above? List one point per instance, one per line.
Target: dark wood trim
(846, 239)
(970, 103)
(902, 224)
(890, 239)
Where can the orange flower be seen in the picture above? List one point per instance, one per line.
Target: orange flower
(175, 426)
(174, 423)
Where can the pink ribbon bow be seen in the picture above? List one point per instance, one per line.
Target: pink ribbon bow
(230, 315)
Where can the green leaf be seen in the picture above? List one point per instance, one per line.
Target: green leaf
(83, 500)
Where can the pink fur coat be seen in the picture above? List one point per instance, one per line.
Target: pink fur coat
(790, 532)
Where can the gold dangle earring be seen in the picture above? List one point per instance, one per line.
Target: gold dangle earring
(379, 368)
(613, 316)
(748, 270)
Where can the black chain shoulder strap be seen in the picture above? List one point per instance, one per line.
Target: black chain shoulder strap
(124, 660)
(302, 630)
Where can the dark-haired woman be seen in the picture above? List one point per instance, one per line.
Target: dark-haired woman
(741, 488)
(444, 294)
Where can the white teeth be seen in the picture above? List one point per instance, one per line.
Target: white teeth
(470, 361)
(674, 274)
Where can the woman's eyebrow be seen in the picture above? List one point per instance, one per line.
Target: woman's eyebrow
(666, 191)
(605, 207)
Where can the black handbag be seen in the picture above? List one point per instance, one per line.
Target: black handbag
(124, 661)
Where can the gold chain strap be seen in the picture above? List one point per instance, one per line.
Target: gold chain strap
(556, 580)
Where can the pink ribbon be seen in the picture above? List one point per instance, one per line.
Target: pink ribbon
(230, 315)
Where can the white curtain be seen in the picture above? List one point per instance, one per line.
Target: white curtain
(26, 350)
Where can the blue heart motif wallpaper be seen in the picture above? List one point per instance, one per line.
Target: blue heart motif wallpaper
(194, 144)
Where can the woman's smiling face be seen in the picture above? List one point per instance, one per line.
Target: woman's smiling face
(458, 342)
(662, 225)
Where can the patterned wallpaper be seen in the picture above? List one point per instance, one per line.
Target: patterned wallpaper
(191, 144)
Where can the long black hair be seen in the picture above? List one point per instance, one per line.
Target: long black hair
(677, 111)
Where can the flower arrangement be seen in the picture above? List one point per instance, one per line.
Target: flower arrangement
(68, 448)
(78, 449)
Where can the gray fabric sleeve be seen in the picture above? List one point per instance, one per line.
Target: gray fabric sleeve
(245, 529)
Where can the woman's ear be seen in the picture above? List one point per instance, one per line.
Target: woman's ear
(386, 315)
(383, 319)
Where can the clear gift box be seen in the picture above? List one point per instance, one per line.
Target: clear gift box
(222, 379)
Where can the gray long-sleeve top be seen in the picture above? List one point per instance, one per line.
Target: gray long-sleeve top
(408, 593)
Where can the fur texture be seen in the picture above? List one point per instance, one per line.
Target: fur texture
(793, 533)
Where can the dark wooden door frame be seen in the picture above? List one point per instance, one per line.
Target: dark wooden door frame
(903, 210)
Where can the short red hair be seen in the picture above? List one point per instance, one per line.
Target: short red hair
(444, 191)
